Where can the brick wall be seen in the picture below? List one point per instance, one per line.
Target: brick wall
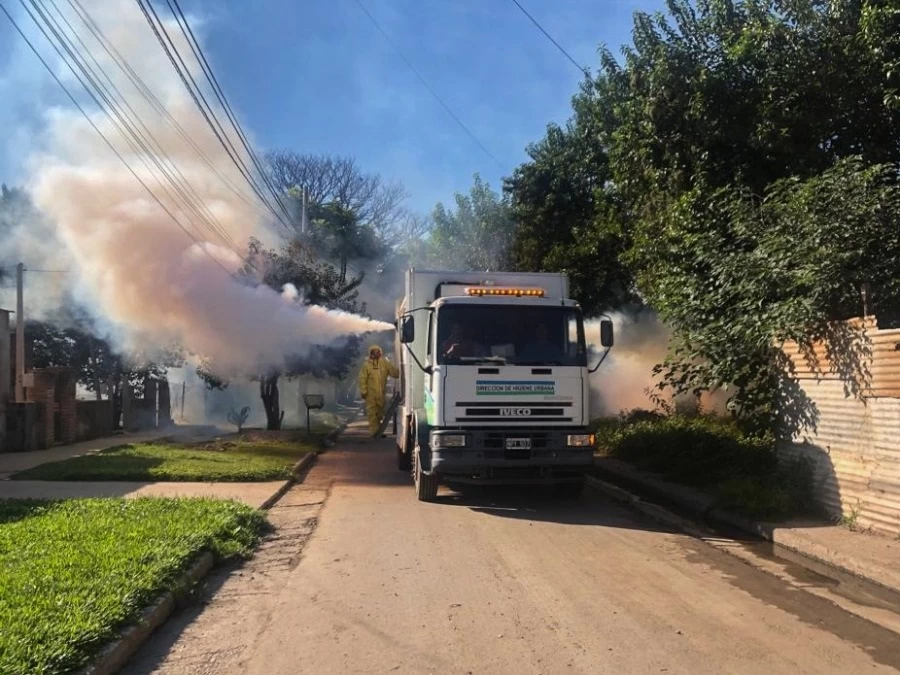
(44, 393)
(65, 400)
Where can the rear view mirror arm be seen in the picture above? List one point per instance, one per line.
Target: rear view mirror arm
(600, 362)
(428, 370)
(605, 321)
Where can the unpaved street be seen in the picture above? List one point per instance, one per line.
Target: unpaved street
(360, 578)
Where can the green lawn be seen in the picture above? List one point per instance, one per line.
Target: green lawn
(73, 573)
(239, 460)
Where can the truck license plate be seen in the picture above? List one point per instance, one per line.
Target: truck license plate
(518, 444)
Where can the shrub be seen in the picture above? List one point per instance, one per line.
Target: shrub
(698, 451)
(714, 454)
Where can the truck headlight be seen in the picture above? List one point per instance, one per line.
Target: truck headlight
(580, 440)
(448, 441)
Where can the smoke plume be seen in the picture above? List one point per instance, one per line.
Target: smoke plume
(625, 379)
(148, 280)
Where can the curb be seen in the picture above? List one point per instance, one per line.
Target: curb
(697, 528)
(116, 655)
(296, 473)
(654, 511)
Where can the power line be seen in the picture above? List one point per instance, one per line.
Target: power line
(188, 32)
(208, 111)
(112, 108)
(581, 69)
(84, 113)
(151, 98)
(130, 120)
(205, 110)
(425, 84)
(127, 128)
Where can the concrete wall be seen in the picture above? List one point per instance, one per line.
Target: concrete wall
(853, 440)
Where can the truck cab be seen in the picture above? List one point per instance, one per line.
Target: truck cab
(494, 375)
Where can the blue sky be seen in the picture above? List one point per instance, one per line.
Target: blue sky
(316, 76)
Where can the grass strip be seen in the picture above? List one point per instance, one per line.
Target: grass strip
(237, 461)
(75, 572)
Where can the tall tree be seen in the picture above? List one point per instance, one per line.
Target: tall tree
(567, 217)
(377, 203)
(724, 126)
(339, 236)
(477, 235)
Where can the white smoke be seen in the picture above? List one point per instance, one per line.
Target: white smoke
(139, 272)
(626, 377)
(625, 380)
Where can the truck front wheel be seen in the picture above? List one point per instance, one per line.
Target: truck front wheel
(426, 486)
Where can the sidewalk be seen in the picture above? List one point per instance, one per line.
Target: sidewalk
(253, 494)
(14, 462)
(871, 557)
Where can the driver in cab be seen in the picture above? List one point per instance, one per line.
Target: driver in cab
(459, 345)
(541, 349)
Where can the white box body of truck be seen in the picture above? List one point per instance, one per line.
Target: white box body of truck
(494, 380)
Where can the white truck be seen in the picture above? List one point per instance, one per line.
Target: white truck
(494, 380)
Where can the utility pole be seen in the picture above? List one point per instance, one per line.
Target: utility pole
(20, 333)
(304, 210)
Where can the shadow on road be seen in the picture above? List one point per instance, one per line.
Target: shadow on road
(536, 503)
(361, 460)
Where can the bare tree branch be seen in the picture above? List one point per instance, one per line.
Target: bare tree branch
(378, 204)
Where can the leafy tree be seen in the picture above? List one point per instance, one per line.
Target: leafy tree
(567, 218)
(320, 283)
(339, 236)
(746, 274)
(741, 159)
(477, 235)
(68, 342)
(881, 33)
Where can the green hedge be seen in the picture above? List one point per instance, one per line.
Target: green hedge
(713, 454)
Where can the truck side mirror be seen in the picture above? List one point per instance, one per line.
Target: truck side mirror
(606, 333)
(407, 330)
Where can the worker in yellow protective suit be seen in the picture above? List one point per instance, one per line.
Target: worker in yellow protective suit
(373, 385)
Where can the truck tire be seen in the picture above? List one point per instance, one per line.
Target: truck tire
(569, 490)
(426, 486)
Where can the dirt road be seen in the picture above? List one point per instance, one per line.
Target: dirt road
(360, 578)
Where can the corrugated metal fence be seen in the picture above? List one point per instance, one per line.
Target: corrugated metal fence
(854, 443)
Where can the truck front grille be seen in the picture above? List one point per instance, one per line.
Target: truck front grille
(517, 412)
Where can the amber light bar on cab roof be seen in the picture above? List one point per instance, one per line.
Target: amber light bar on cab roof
(517, 292)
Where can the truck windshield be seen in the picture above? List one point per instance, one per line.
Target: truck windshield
(516, 335)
